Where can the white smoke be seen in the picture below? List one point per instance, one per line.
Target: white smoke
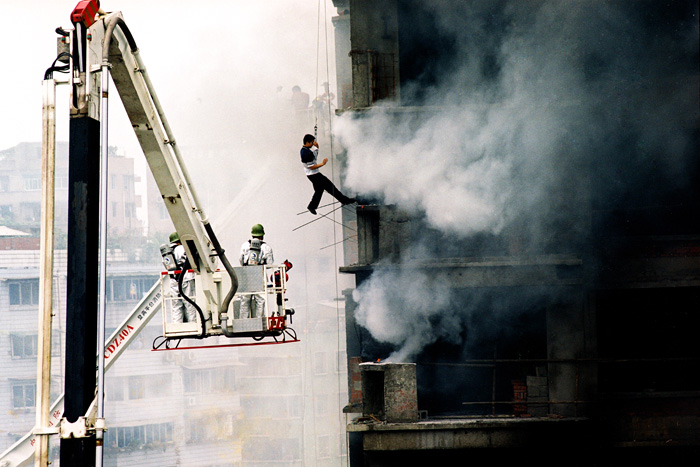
(442, 169)
(404, 307)
(512, 151)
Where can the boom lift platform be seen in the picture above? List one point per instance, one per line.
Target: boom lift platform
(110, 50)
(268, 282)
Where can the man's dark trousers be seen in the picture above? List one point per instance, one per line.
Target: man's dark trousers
(322, 183)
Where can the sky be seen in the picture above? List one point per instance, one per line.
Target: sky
(207, 60)
(223, 75)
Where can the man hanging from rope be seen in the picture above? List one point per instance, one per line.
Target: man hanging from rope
(309, 155)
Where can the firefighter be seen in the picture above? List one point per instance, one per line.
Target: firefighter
(174, 252)
(254, 252)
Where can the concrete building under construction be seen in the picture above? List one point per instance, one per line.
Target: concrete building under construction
(570, 321)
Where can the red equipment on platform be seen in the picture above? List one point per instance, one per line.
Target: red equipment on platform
(85, 12)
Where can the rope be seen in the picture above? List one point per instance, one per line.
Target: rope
(335, 249)
(330, 134)
(351, 238)
(318, 55)
(321, 216)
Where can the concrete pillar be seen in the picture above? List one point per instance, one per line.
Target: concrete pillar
(568, 328)
(389, 391)
(374, 52)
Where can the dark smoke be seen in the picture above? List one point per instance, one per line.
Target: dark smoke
(552, 122)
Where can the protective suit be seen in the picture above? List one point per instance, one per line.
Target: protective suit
(175, 259)
(182, 310)
(254, 252)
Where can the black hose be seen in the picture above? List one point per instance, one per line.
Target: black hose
(48, 74)
(227, 266)
(180, 279)
(115, 21)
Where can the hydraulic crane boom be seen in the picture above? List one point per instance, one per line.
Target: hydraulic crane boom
(110, 50)
(99, 47)
(158, 144)
(121, 57)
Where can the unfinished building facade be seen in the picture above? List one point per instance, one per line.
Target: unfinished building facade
(530, 277)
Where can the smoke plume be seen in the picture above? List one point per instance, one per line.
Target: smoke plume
(534, 113)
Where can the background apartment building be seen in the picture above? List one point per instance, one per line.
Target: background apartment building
(216, 407)
(20, 185)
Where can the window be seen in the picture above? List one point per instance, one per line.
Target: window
(294, 406)
(4, 183)
(272, 407)
(6, 211)
(23, 394)
(128, 288)
(208, 428)
(118, 290)
(24, 292)
(32, 184)
(56, 345)
(649, 337)
(128, 183)
(137, 387)
(148, 436)
(207, 381)
(24, 346)
(129, 210)
(159, 386)
(115, 209)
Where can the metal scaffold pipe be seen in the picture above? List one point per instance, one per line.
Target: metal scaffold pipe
(104, 164)
(43, 389)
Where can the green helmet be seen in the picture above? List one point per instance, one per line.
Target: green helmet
(257, 230)
(174, 237)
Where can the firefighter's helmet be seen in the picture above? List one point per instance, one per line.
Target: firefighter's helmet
(257, 230)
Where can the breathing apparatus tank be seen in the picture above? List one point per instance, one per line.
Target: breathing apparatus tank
(167, 251)
(254, 258)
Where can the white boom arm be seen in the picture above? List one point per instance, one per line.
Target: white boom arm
(114, 49)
